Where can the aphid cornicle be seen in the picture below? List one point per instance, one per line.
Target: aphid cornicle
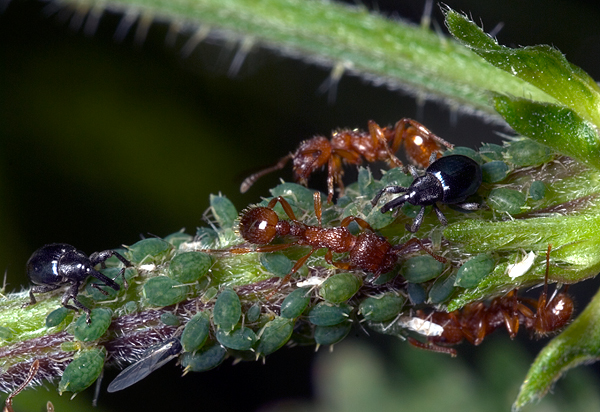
(352, 146)
(448, 180)
(59, 264)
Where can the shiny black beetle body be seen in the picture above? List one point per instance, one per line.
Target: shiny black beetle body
(58, 264)
(449, 180)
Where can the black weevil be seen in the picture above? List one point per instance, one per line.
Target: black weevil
(449, 180)
(58, 264)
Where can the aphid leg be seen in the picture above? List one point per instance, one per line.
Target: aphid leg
(250, 180)
(35, 365)
(432, 347)
(399, 249)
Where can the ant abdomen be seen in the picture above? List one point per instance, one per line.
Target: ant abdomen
(555, 315)
(373, 253)
(259, 225)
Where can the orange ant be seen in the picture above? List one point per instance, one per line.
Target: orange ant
(476, 320)
(351, 146)
(368, 251)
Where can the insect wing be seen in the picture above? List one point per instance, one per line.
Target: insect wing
(145, 366)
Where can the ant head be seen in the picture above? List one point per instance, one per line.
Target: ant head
(259, 225)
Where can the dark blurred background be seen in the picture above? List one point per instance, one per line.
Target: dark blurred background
(104, 141)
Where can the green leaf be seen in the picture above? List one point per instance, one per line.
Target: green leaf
(555, 126)
(542, 66)
(579, 343)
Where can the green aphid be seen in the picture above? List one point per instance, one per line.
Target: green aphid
(381, 308)
(527, 152)
(223, 211)
(506, 200)
(385, 277)
(115, 274)
(465, 151)
(207, 358)
(295, 303)
(130, 307)
(340, 287)
(5, 333)
(178, 238)
(70, 346)
(324, 314)
(253, 314)
(56, 317)
(237, 339)
(207, 237)
(537, 190)
(189, 267)
(170, 319)
(474, 270)
(196, 332)
(494, 172)
(396, 177)
(442, 290)
(420, 269)
(209, 294)
(329, 335)
(274, 335)
(276, 263)
(227, 310)
(491, 152)
(367, 186)
(100, 321)
(164, 291)
(416, 293)
(82, 371)
(302, 196)
(151, 250)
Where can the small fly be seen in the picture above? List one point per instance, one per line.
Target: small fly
(152, 360)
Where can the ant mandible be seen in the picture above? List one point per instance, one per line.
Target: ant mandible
(476, 320)
(368, 251)
(351, 146)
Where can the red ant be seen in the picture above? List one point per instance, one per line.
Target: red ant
(368, 251)
(476, 320)
(351, 146)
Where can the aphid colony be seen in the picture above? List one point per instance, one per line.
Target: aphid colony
(306, 278)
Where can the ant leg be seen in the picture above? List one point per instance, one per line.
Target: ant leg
(297, 266)
(35, 365)
(361, 222)
(418, 220)
(250, 180)
(317, 203)
(431, 347)
(339, 265)
(398, 249)
(379, 140)
(440, 215)
(334, 175)
(286, 206)
(388, 189)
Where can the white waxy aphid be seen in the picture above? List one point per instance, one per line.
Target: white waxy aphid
(149, 267)
(152, 360)
(520, 268)
(421, 326)
(313, 281)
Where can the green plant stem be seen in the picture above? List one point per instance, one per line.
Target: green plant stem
(348, 39)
